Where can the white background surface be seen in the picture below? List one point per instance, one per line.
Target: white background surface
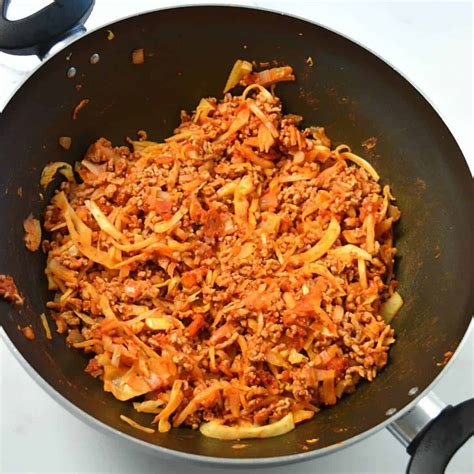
(430, 43)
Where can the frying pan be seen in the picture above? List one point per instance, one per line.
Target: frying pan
(354, 95)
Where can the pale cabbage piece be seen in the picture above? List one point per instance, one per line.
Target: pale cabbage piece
(227, 189)
(350, 252)
(260, 88)
(263, 118)
(54, 267)
(265, 139)
(84, 317)
(302, 415)
(149, 406)
(318, 250)
(166, 226)
(362, 269)
(176, 397)
(157, 324)
(202, 110)
(240, 69)
(97, 170)
(50, 170)
(391, 307)
(138, 245)
(320, 269)
(214, 429)
(81, 234)
(240, 121)
(47, 329)
(136, 425)
(362, 163)
(295, 357)
(142, 144)
(115, 381)
(103, 221)
(241, 204)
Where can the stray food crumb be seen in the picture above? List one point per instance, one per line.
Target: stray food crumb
(447, 357)
(239, 446)
(142, 135)
(265, 64)
(19, 192)
(245, 46)
(340, 430)
(420, 184)
(369, 144)
(110, 35)
(9, 291)
(28, 333)
(68, 57)
(309, 61)
(437, 252)
(45, 246)
(78, 87)
(65, 142)
(300, 34)
(79, 107)
(138, 56)
(312, 440)
(32, 237)
(305, 448)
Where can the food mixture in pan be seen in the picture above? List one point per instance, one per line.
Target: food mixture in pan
(234, 278)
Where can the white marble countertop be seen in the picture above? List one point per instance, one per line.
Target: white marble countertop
(431, 44)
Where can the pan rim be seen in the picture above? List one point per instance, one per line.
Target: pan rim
(227, 461)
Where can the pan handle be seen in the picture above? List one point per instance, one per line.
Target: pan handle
(433, 432)
(37, 33)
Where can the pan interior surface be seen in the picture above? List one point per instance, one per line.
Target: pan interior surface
(349, 91)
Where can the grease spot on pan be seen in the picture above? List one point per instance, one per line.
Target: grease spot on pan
(71, 72)
(95, 58)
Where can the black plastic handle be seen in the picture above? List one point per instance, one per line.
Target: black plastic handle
(438, 441)
(37, 33)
